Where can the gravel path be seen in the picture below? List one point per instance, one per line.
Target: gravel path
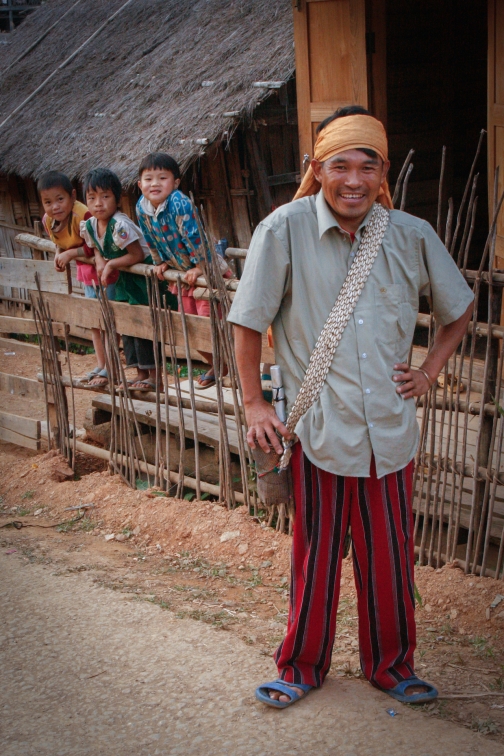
(86, 672)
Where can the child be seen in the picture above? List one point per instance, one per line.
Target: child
(118, 243)
(63, 215)
(166, 217)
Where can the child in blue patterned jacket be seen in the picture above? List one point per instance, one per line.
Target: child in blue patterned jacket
(167, 219)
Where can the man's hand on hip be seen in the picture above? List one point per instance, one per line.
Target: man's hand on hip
(413, 382)
(262, 423)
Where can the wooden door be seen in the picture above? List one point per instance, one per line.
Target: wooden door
(331, 69)
(496, 114)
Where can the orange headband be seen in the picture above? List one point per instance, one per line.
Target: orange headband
(348, 133)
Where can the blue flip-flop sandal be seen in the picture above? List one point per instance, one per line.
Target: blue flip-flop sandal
(286, 688)
(210, 377)
(399, 692)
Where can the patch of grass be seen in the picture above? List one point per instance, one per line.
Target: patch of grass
(182, 370)
(28, 495)
(159, 602)
(23, 511)
(418, 597)
(485, 726)
(255, 579)
(217, 619)
(498, 684)
(482, 647)
(87, 525)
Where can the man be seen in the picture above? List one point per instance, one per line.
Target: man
(353, 464)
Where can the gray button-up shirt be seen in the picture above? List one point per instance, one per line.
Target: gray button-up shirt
(298, 260)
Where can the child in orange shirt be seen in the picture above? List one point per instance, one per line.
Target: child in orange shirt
(63, 215)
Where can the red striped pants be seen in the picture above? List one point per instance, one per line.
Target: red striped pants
(380, 517)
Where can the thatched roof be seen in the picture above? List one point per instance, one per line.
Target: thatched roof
(138, 86)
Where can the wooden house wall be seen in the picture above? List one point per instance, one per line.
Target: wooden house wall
(238, 181)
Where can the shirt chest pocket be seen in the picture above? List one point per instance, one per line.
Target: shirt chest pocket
(393, 313)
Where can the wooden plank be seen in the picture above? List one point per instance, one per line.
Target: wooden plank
(331, 66)
(208, 425)
(27, 325)
(496, 115)
(13, 345)
(241, 218)
(133, 321)
(302, 81)
(25, 426)
(11, 437)
(21, 274)
(284, 178)
(378, 60)
(19, 229)
(259, 175)
(15, 384)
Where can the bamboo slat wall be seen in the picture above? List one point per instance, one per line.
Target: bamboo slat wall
(459, 480)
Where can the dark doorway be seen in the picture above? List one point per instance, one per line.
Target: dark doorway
(437, 95)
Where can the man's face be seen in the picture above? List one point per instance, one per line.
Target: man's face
(350, 181)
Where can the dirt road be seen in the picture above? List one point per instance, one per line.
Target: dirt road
(87, 673)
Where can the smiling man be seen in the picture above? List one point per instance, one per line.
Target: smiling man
(353, 463)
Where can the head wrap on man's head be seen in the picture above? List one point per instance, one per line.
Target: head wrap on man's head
(350, 132)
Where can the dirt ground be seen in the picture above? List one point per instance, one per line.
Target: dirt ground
(200, 561)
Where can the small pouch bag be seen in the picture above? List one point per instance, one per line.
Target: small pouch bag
(273, 487)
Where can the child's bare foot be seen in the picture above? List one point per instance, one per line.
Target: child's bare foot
(100, 380)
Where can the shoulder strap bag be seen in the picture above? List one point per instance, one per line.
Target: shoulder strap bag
(274, 481)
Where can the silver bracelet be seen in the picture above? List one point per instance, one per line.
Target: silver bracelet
(429, 379)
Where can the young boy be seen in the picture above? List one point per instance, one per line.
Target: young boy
(62, 219)
(166, 217)
(118, 243)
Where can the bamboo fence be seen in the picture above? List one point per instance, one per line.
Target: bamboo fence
(459, 480)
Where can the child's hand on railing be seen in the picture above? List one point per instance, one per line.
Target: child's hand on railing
(192, 275)
(106, 273)
(160, 269)
(63, 258)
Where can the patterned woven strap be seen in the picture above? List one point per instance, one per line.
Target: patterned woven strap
(322, 356)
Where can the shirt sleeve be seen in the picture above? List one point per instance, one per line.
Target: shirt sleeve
(144, 228)
(441, 280)
(185, 219)
(88, 251)
(264, 282)
(46, 224)
(86, 236)
(125, 233)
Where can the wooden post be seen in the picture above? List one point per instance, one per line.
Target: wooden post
(496, 117)
(331, 68)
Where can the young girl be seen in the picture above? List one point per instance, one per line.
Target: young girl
(119, 243)
(62, 219)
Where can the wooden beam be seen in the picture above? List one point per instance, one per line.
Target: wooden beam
(21, 274)
(26, 325)
(46, 268)
(15, 227)
(94, 451)
(26, 426)
(208, 425)
(13, 345)
(11, 437)
(134, 321)
(15, 384)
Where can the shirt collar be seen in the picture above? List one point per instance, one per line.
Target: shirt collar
(326, 219)
(147, 206)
